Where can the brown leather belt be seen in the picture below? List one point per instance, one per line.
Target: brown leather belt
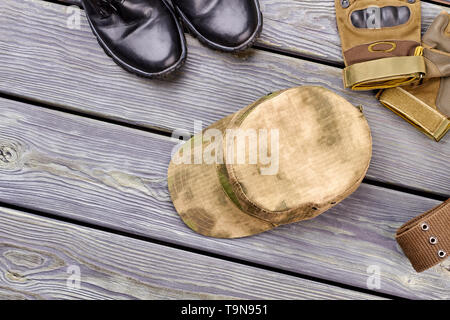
(425, 240)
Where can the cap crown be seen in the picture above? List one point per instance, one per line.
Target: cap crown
(321, 153)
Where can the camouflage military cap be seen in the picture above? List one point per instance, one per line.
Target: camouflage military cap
(289, 156)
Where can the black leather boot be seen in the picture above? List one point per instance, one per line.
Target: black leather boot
(142, 36)
(227, 25)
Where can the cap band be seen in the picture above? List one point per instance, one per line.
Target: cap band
(427, 119)
(425, 240)
(384, 73)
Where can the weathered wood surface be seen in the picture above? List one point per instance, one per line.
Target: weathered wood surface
(445, 2)
(37, 256)
(113, 176)
(67, 68)
(308, 27)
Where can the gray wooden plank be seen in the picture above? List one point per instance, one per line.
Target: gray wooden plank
(38, 255)
(114, 176)
(67, 68)
(308, 27)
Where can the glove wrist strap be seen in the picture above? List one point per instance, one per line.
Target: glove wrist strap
(425, 240)
(384, 73)
(424, 117)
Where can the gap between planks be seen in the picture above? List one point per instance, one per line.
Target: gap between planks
(115, 177)
(39, 255)
(321, 43)
(83, 79)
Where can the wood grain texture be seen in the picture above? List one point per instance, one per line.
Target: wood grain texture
(113, 176)
(308, 27)
(37, 256)
(67, 68)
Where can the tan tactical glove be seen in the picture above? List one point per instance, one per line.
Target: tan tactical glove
(427, 105)
(380, 42)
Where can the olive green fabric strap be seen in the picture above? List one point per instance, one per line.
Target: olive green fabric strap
(224, 180)
(384, 73)
(226, 185)
(426, 118)
(425, 240)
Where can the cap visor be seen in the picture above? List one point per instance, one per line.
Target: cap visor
(199, 198)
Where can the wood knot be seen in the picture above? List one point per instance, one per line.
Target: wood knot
(9, 156)
(22, 258)
(15, 276)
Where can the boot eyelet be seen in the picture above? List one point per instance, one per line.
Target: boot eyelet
(433, 240)
(424, 227)
(442, 254)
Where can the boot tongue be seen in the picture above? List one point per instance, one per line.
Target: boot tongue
(127, 11)
(108, 7)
